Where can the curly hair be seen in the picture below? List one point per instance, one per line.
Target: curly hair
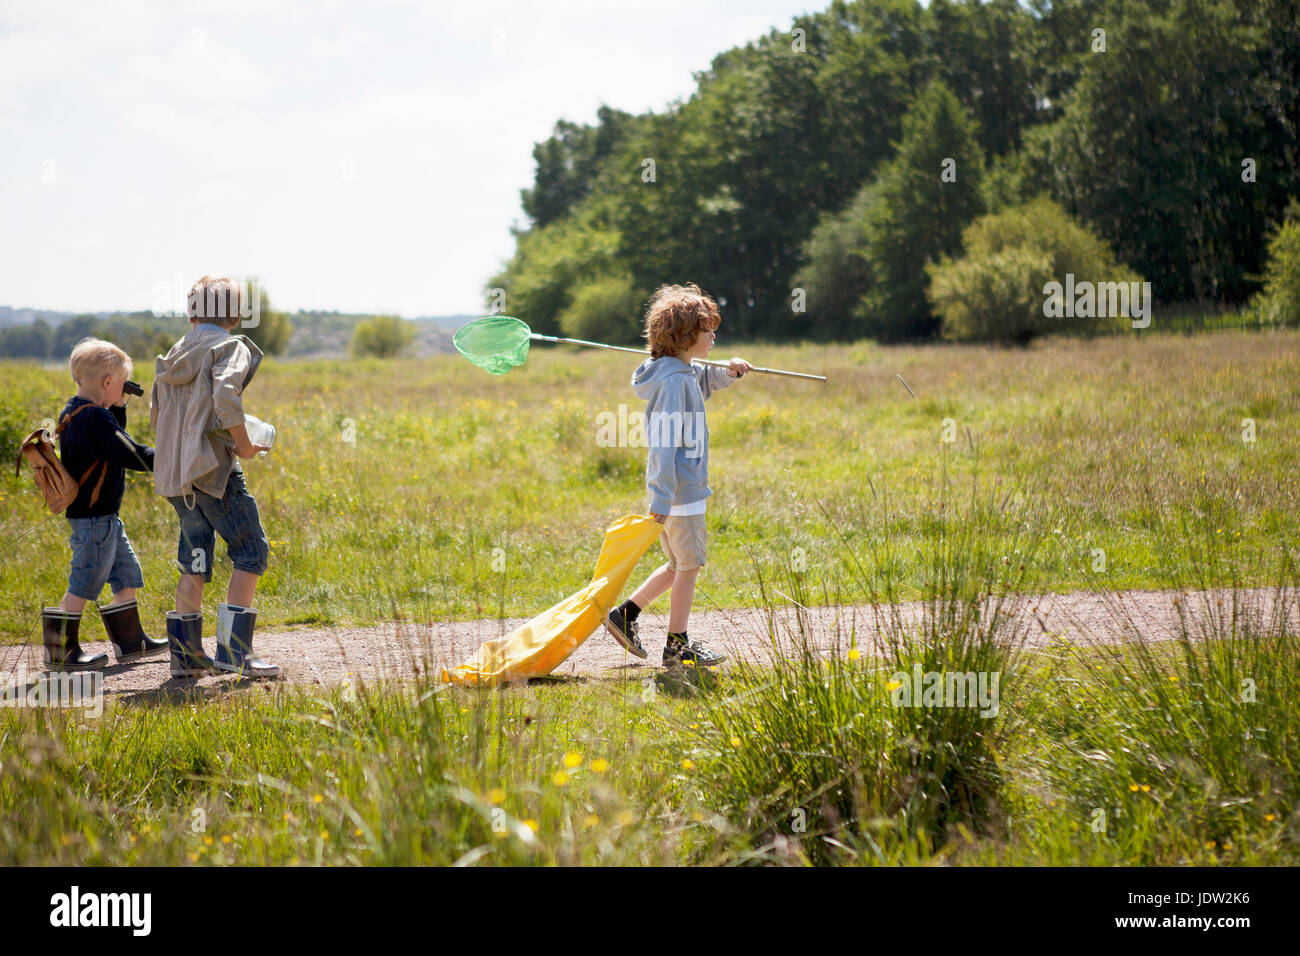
(676, 315)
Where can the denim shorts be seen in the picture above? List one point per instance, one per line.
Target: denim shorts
(101, 553)
(233, 516)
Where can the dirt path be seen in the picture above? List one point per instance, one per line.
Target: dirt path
(394, 651)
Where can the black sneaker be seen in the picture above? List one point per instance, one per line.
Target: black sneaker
(690, 654)
(624, 631)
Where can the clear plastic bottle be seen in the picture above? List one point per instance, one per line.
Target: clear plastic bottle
(259, 432)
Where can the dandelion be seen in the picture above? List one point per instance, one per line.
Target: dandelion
(1269, 817)
(496, 795)
(1134, 787)
(357, 832)
(317, 799)
(688, 764)
(559, 778)
(600, 765)
(695, 726)
(1173, 678)
(854, 654)
(893, 685)
(572, 759)
(324, 835)
(207, 841)
(735, 741)
(591, 820)
(1146, 788)
(531, 824)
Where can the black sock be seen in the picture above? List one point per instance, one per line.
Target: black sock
(630, 610)
(677, 638)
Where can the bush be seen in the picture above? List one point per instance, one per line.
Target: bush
(993, 296)
(383, 336)
(997, 291)
(1279, 301)
(605, 309)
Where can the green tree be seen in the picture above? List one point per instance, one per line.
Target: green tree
(917, 216)
(835, 275)
(71, 331)
(28, 340)
(1150, 149)
(569, 161)
(550, 261)
(607, 309)
(273, 329)
(383, 336)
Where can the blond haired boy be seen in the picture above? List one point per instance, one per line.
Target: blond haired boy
(681, 325)
(96, 450)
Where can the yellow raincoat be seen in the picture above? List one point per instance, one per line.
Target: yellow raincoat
(538, 647)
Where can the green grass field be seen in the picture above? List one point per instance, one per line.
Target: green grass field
(1118, 444)
(1172, 751)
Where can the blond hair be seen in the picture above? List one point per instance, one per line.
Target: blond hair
(93, 360)
(214, 299)
(675, 317)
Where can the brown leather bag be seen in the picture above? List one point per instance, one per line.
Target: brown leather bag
(52, 479)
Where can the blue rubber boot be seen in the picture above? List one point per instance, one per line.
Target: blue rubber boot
(185, 642)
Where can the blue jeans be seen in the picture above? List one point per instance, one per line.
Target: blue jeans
(233, 516)
(101, 552)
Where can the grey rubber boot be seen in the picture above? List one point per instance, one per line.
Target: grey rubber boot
(235, 643)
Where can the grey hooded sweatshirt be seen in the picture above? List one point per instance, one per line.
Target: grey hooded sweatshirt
(676, 430)
(198, 389)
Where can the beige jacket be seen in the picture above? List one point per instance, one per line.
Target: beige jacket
(197, 389)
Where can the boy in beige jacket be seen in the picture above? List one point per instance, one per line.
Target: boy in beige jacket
(196, 403)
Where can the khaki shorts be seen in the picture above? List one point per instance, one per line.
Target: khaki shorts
(684, 539)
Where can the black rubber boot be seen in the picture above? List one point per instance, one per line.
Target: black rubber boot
(235, 643)
(185, 641)
(60, 635)
(130, 642)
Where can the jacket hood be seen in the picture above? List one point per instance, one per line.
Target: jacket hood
(652, 373)
(185, 360)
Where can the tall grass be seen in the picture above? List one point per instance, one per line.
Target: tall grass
(821, 759)
(1181, 746)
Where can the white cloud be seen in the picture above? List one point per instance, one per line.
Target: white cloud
(356, 157)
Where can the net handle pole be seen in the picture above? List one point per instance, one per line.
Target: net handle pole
(623, 348)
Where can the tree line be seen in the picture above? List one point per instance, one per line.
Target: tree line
(822, 181)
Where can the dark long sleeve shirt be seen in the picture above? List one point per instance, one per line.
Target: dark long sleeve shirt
(99, 434)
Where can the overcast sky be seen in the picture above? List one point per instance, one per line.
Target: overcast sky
(359, 157)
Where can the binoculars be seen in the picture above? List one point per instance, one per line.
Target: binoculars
(132, 388)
